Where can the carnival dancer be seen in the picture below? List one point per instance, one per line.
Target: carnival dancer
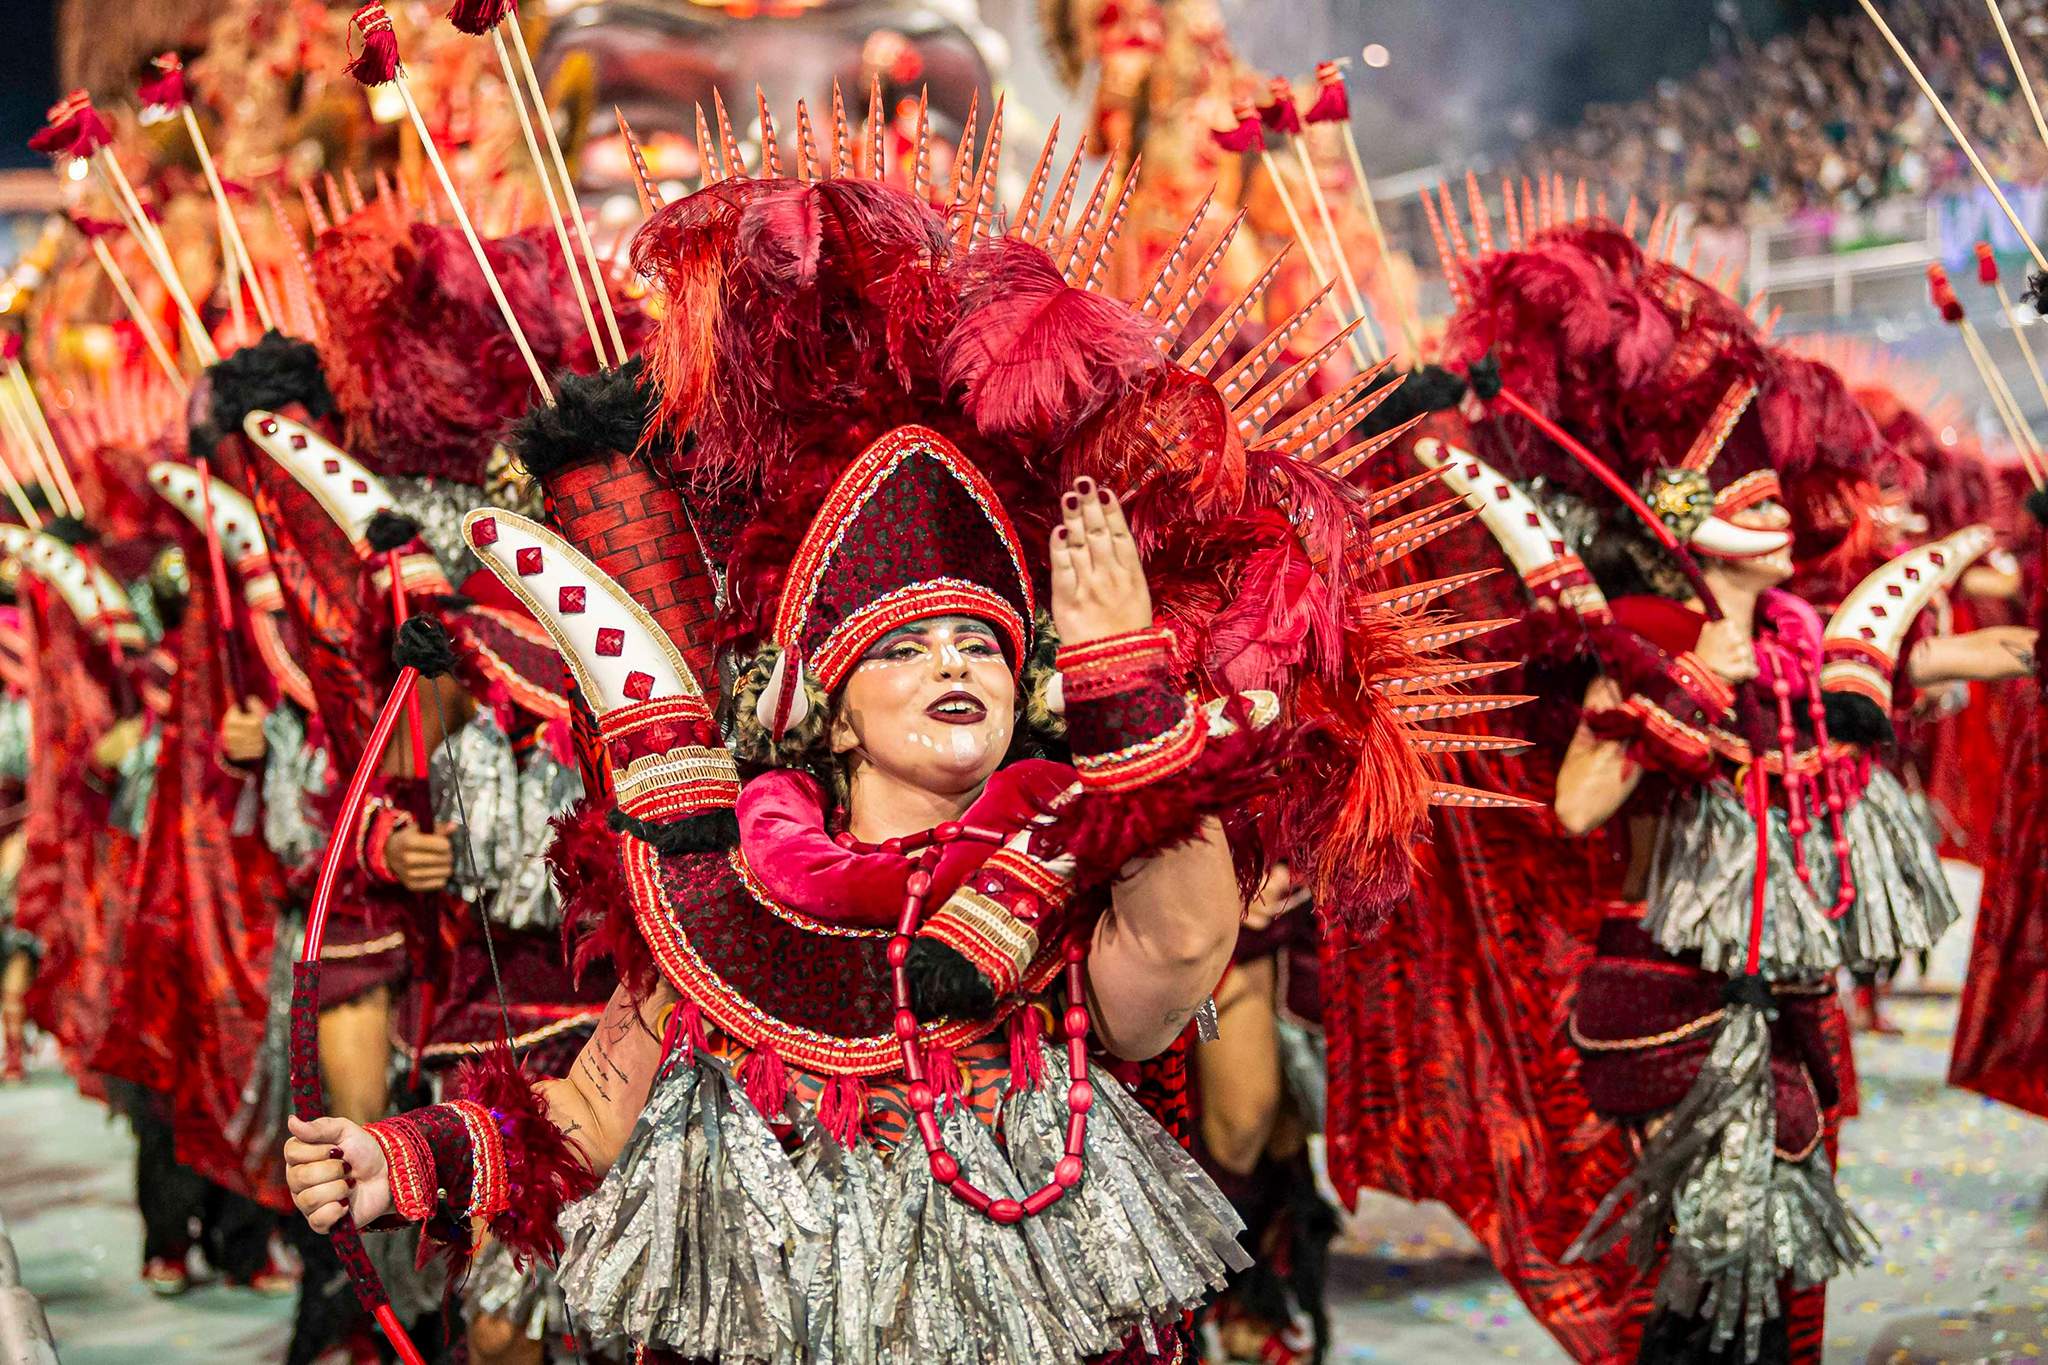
(824, 962)
(1655, 423)
(17, 948)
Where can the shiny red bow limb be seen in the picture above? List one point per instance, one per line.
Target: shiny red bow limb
(307, 1100)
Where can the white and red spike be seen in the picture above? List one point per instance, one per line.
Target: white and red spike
(1209, 347)
(1864, 636)
(1034, 191)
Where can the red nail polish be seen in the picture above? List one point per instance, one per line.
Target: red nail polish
(1071, 502)
(1060, 534)
(351, 1181)
(334, 1154)
(1104, 495)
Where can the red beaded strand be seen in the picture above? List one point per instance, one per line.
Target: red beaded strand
(1830, 780)
(922, 1098)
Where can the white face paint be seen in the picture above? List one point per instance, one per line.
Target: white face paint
(933, 704)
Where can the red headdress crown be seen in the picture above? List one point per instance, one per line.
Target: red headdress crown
(910, 530)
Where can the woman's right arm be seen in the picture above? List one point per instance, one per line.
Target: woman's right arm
(1597, 775)
(331, 1160)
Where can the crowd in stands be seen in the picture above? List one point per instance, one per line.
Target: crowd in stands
(1822, 119)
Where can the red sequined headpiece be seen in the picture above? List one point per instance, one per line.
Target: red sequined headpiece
(910, 530)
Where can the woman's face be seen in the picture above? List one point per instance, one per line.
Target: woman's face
(932, 704)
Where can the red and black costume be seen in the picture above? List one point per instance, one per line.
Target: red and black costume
(862, 416)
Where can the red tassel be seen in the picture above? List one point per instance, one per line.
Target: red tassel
(1333, 101)
(766, 1082)
(165, 89)
(72, 129)
(685, 1031)
(1027, 1062)
(478, 17)
(942, 1071)
(843, 1109)
(1281, 115)
(1944, 294)
(377, 63)
(1987, 264)
(1247, 136)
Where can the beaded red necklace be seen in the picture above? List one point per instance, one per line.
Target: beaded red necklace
(1080, 1091)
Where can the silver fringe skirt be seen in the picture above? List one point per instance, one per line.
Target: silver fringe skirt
(711, 1239)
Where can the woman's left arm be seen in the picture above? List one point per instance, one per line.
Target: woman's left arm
(1992, 654)
(1161, 947)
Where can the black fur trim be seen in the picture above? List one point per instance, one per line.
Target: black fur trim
(390, 530)
(274, 373)
(2037, 503)
(593, 415)
(945, 985)
(71, 531)
(711, 831)
(423, 644)
(2037, 292)
(1855, 719)
(1428, 388)
(1484, 375)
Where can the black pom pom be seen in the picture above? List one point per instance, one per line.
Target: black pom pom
(423, 644)
(593, 415)
(945, 985)
(711, 831)
(2037, 504)
(1484, 375)
(2037, 291)
(1747, 990)
(1853, 718)
(390, 530)
(276, 372)
(71, 531)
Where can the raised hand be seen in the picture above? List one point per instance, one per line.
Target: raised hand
(333, 1166)
(1098, 581)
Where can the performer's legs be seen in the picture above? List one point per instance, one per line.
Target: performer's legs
(168, 1195)
(235, 1235)
(1867, 1015)
(1239, 1073)
(355, 1055)
(15, 975)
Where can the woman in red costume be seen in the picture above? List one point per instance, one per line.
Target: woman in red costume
(896, 1069)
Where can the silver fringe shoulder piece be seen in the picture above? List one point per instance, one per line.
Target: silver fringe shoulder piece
(1903, 900)
(473, 781)
(1702, 877)
(709, 1238)
(527, 899)
(294, 772)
